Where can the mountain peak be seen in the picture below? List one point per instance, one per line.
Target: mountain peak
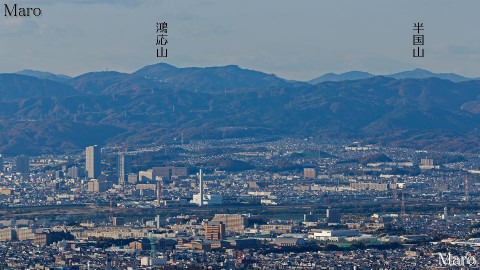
(420, 73)
(155, 69)
(232, 66)
(165, 65)
(347, 76)
(421, 69)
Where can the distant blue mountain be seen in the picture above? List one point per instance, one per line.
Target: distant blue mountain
(417, 73)
(44, 75)
(347, 76)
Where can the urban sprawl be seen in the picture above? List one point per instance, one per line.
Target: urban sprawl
(252, 203)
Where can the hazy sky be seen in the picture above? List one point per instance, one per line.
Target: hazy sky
(292, 39)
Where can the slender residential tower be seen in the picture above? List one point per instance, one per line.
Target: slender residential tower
(93, 161)
(201, 188)
(123, 168)
(159, 191)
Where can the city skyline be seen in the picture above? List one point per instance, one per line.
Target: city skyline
(341, 214)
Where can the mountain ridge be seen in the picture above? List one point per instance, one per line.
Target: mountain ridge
(44, 75)
(416, 73)
(43, 116)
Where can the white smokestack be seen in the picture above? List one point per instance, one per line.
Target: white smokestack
(201, 188)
